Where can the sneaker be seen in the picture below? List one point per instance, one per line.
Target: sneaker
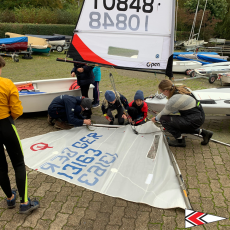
(62, 125)
(32, 205)
(12, 203)
(206, 136)
(111, 122)
(50, 120)
(177, 142)
(95, 105)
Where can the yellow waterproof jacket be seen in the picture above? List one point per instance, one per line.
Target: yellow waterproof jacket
(10, 105)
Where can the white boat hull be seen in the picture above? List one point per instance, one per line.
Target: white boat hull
(182, 66)
(221, 97)
(51, 88)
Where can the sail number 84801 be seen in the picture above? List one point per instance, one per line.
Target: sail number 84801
(122, 5)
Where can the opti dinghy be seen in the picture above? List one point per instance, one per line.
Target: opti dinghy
(214, 101)
(39, 97)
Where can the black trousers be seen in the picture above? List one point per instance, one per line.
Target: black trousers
(119, 112)
(189, 122)
(85, 90)
(10, 139)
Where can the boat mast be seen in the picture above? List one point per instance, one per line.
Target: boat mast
(202, 20)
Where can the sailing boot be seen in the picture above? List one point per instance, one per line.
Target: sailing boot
(50, 120)
(177, 142)
(62, 125)
(206, 136)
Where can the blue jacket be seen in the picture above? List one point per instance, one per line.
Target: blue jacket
(67, 108)
(107, 105)
(97, 73)
(85, 78)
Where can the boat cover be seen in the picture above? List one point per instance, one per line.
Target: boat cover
(188, 59)
(210, 59)
(33, 41)
(179, 53)
(112, 161)
(48, 37)
(13, 40)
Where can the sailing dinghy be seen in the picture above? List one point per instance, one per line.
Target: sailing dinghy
(39, 97)
(214, 101)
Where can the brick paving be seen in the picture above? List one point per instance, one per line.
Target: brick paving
(205, 170)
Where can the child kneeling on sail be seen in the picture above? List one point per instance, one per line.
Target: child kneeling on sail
(111, 103)
(138, 109)
(68, 109)
(191, 114)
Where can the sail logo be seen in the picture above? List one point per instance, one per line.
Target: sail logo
(150, 64)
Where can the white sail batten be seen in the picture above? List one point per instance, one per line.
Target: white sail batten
(125, 33)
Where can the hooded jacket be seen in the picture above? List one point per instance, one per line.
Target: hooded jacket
(10, 105)
(67, 108)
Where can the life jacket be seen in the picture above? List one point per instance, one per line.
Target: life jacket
(25, 87)
(74, 86)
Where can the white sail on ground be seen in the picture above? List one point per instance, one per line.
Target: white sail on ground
(112, 161)
(126, 34)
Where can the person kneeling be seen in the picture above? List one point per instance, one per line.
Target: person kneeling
(64, 112)
(111, 103)
(191, 115)
(138, 110)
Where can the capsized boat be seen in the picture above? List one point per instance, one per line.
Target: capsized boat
(38, 45)
(214, 100)
(14, 44)
(44, 91)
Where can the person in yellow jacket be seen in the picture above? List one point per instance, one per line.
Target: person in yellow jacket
(10, 110)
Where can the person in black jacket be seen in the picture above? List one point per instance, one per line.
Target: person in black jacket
(85, 77)
(111, 103)
(68, 109)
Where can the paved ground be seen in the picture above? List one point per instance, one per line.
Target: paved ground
(205, 170)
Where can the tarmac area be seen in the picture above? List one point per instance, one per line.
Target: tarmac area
(205, 170)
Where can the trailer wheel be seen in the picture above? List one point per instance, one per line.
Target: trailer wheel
(212, 78)
(59, 48)
(15, 59)
(192, 73)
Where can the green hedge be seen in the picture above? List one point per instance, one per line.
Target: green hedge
(39, 29)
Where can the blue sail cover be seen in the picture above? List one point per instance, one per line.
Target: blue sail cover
(210, 59)
(13, 40)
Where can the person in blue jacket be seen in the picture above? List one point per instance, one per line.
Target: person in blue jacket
(96, 92)
(110, 103)
(65, 111)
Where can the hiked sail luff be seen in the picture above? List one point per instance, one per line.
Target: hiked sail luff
(125, 34)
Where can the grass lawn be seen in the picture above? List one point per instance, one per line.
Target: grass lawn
(127, 82)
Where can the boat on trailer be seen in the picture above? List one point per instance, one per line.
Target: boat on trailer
(38, 45)
(43, 92)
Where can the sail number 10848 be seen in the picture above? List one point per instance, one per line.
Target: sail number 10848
(122, 5)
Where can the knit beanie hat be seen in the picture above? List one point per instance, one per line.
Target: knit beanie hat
(139, 95)
(86, 103)
(110, 96)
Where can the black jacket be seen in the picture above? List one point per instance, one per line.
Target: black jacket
(85, 78)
